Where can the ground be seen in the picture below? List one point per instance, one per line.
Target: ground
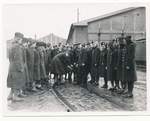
(82, 100)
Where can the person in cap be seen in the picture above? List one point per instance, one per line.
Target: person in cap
(115, 65)
(110, 64)
(83, 62)
(89, 64)
(16, 74)
(30, 64)
(95, 63)
(130, 68)
(37, 59)
(104, 66)
(76, 72)
(42, 66)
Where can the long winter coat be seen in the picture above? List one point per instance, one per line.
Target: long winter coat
(103, 63)
(25, 65)
(109, 64)
(95, 61)
(83, 58)
(36, 74)
(16, 75)
(121, 63)
(30, 62)
(42, 65)
(130, 74)
(114, 63)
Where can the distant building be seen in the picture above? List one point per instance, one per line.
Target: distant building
(130, 21)
(53, 39)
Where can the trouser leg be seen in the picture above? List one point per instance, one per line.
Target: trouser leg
(69, 77)
(130, 87)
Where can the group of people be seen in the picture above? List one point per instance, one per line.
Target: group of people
(35, 65)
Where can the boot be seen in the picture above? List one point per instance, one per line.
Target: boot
(16, 98)
(10, 96)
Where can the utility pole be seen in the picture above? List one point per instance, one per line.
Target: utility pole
(77, 14)
(99, 33)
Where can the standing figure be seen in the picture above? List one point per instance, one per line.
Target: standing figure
(95, 63)
(30, 64)
(130, 68)
(115, 66)
(121, 64)
(37, 74)
(104, 66)
(16, 75)
(83, 62)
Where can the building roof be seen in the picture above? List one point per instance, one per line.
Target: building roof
(85, 22)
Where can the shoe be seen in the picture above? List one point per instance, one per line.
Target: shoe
(120, 91)
(128, 96)
(17, 99)
(104, 86)
(125, 92)
(110, 89)
(22, 95)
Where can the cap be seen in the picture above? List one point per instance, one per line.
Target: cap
(18, 34)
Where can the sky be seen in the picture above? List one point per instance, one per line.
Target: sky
(43, 19)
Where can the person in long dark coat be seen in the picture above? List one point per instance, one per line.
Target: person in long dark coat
(130, 68)
(83, 64)
(95, 63)
(30, 64)
(104, 66)
(89, 54)
(75, 62)
(48, 60)
(36, 74)
(25, 46)
(110, 64)
(115, 66)
(16, 75)
(42, 64)
(121, 64)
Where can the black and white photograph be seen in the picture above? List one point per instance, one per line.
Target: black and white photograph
(75, 57)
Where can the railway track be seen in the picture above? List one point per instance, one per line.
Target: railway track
(79, 99)
(62, 100)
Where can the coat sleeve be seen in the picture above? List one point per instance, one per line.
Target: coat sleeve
(18, 58)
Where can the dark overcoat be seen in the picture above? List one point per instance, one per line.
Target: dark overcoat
(49, 60)
(25, 65)
(42, 65)
(30, 62)
(83, 58)
(16, 75)
(114, 63)
(95, 61)
(60, 63)
(36, 65)
(109, 64)
(103, 62)
(130, 74)
(121, 63)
